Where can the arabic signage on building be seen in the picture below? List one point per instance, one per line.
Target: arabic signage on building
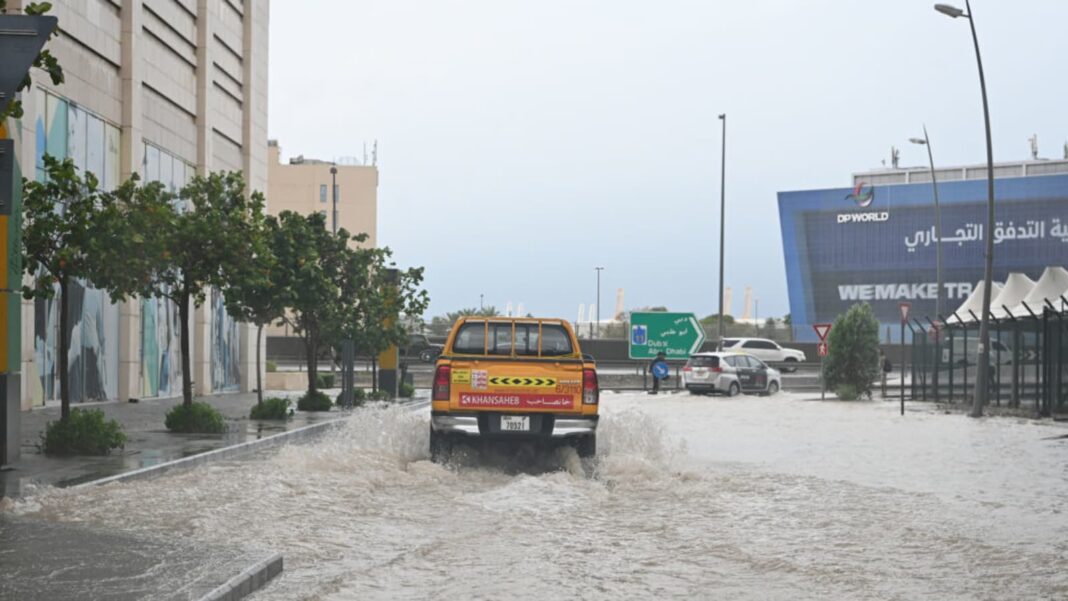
(833, 262)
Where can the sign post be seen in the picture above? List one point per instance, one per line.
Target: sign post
(822, 349)
(677, 335)
(905, 309)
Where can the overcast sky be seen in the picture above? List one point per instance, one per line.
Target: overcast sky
(523, 143)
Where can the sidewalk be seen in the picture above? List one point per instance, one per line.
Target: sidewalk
(52, 561)
(149, 441)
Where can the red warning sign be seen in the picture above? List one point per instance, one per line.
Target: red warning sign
(822, 329)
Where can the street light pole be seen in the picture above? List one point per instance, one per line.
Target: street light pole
(982, 384)
(722, 218)
(926, 141)
(480, 297)
(599, 270)
(333, 193)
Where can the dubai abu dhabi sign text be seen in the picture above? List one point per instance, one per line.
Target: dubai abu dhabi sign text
(677, 335)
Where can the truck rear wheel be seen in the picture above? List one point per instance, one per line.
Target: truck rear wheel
(440, 447)
(586, 446)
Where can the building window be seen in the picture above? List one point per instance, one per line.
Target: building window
(322, 193)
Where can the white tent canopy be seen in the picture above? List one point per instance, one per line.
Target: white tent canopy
(974, 304)
(1016, 288)
(1051, 286)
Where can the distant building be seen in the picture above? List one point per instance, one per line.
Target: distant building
(875, 241)
(303, 185)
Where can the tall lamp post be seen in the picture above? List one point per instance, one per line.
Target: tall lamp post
(926, 141)
(599, 270)
(333, 193)
(722, 219)
(982, 384)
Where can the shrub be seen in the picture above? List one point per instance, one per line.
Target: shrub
(198, 418)
(846, 392)
(85, 432)
(854, 351)
(359, 394)
(357, 399)
(406, 390)
(273, 408)
(324, 381)
(272, 366)
(379, 395)
(314, 402)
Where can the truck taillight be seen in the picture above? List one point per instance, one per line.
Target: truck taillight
(590, 390)
(441, 383)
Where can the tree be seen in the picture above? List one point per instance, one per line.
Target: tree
(853, 360)
(70, 231)
(310, 261)
(254, 292)
(43, 60)
(190, 245)
(441, 324)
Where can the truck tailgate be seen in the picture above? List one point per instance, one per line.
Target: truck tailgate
(516, 386)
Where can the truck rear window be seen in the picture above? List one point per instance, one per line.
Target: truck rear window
(553, 340)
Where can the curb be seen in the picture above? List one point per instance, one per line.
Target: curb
(252, 579)
(217, 454)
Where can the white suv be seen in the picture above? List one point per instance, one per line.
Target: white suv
(766, 350)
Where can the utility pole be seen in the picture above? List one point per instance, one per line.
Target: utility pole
(333, 193)
(599, 270)
(722, 218)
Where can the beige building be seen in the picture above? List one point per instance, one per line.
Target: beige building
(166, 89)
(303, 186)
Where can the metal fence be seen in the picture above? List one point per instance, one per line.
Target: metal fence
(1028, 360)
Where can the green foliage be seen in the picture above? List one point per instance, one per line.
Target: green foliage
(71, 230)
(406, 390)
(272, 366)
(43, 60)
(273, 408)
(854, 350)
(195, 418)
(358, 397)
(379, 395)
(314, 401)
(189, 246)
(324, 380)
(713, 320)
(441, 324)
(84, 432)
(847, 392)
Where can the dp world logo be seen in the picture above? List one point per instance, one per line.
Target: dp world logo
(862, 195)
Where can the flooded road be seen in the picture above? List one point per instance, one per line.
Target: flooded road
(743, 498)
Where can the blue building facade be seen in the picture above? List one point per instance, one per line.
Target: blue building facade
(877, 243)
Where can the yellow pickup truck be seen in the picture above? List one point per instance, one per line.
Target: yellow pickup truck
(513, 379)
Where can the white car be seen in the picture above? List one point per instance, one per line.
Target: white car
(765, 350)
(729, 374)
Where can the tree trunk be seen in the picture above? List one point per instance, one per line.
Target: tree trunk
(187, 373)
(64, 350)
(259, 380)
(311, 345)
(374, 373)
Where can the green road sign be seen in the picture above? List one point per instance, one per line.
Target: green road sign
(677, 335)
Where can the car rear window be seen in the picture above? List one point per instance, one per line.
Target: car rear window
(555, 341)
(704, 361)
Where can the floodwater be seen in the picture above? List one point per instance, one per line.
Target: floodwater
(696, 497)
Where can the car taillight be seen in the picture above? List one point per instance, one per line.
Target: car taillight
(687, 367)
(441, 383)
(718, 370)
(590, 391)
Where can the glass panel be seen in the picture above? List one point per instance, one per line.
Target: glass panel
(704, 361)
(555, 341)
(76, 136)
(166, 170)
(151, 163)
(94, 150)
(322, 193)
(501, 340)
(56, 125)
(112, 161)
(471, 339)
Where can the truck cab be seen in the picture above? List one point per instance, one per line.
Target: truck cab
(513, 380)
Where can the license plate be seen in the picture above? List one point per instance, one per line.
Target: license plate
(515, 423)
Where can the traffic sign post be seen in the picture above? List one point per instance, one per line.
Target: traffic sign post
(824, 347)
(905, 308)
(677, 335)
